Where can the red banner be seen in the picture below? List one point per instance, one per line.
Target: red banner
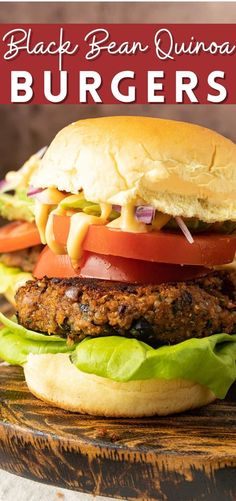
(118, 63)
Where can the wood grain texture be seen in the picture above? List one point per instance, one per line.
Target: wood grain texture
(187, 457)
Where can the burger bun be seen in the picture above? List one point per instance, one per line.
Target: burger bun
(55, 380)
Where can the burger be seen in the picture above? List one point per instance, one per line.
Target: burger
(132, 309)
(20, 243)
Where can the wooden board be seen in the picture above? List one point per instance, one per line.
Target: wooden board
(187, 457)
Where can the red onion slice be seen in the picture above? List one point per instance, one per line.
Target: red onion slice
(117, 208)
(184, 229)
(43, 197)
(34, 191)
(145, 214)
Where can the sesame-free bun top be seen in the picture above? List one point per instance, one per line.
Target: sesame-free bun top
(179, 168)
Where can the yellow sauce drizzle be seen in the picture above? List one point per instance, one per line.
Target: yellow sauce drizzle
(127, 221)
(79, 224)
(42, 211)
(49, 233)
(105, 211)
(41, 216)
(160, 220)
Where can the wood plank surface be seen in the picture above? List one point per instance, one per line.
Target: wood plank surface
(185, 457)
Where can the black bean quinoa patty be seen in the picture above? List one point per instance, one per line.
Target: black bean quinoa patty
(158, 314)
(25, 259)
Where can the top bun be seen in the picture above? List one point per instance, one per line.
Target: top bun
(179, 168)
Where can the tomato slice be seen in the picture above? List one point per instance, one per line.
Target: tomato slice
(53, 266)
(135, 271)
(113, 268)
(157, 246)
(18, 235)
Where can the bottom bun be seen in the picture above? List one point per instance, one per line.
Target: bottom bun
(54, 379)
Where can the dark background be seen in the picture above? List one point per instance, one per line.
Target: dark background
(25, 128)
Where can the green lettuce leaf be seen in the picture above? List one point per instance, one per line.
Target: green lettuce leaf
(208, 361)
(10, 279)
(17, 207)
(16, 342)
(18, 329)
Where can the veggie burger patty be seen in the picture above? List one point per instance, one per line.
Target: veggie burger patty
(25, 259)
(157, 314)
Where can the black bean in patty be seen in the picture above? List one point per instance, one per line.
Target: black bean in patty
(156, 314)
